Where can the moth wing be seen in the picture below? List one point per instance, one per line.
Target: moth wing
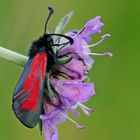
(27, 97)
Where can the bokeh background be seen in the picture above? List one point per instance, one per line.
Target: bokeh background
(116, 79)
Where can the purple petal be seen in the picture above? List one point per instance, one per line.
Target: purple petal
(69, 49)
(50, 130)
(68, 105)
(73, 90)
(50, 121)
(55, 116)
(82, 50)
(54, 133)
(59, 118)
(87, 38)
(43, 117)
(93, 26)
(86, 50)
(46, 130)
(73, 69)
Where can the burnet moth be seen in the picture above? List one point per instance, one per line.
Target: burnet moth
(28, 94)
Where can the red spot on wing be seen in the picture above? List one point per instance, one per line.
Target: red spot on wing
(32, 84)
(44, 60)
(28, 83)
(31, 103)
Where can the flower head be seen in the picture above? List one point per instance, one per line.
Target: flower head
(65, 85)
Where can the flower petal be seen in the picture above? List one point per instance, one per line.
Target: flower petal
(93, 26)
(50, 121)
(59, 118)
(74, 69)
(46, 130)
(73, 90)
(68, 104)
(54, 133)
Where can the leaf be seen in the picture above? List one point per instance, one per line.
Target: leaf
(63, 23)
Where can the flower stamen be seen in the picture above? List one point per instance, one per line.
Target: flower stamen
(102, 54)
(100, 41)
(70, 119)
(86, 109)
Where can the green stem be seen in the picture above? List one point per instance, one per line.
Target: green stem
(13, 57)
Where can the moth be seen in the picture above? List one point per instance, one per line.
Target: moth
(27, 99)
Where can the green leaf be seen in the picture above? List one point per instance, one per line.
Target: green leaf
(63, 23)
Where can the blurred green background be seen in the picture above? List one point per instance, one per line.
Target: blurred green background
(116, 79)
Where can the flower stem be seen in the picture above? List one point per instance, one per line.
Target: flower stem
(13, 57)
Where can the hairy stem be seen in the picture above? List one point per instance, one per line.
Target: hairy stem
(13, 57)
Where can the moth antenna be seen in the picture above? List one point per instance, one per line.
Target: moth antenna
(51, 11)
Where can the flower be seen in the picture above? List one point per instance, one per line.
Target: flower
(65, 85)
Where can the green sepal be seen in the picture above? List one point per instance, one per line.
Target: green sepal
(50, 92)
(62, 76)
(63, 60)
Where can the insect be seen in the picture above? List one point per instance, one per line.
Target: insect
(28, 94)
